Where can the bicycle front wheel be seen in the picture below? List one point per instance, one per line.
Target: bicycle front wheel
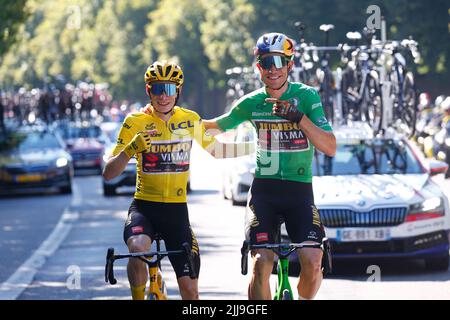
(286, 295)
(409, 107)
(373, 104)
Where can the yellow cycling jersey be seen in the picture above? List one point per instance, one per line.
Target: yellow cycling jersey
(162, 173)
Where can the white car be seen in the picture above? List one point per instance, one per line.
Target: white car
(376, 199)
(238, 173)
(128, 177)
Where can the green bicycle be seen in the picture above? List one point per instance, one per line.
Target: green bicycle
(283, 251)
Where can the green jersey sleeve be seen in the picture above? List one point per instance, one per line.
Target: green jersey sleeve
(234, 117)
(314, 110)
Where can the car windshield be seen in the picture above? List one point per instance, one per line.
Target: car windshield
(25, 141)
(81, 132)
(368, 157)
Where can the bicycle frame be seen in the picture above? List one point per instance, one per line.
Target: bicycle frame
(283, 251)
(153, 261)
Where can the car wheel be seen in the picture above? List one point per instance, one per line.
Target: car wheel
(66, 189)
(109, 190)
(438, 264)
(237, 203)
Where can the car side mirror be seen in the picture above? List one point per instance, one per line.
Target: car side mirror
(437, 167)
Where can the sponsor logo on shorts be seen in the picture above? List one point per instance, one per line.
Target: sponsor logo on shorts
(195, 249)
(312, 235)
(260, 237)
(316, 216)
(253, 218)
(137, 229)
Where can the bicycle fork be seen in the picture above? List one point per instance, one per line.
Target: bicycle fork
(284, 291)
(156, 287)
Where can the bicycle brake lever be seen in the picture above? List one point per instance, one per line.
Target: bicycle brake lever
(244, 258)
(109, 267)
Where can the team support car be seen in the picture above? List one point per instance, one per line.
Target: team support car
(376, 199)
(34, 159)
(128, 177)
(86, 143)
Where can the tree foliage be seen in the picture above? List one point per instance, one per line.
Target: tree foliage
(114, 41)
(12, 15)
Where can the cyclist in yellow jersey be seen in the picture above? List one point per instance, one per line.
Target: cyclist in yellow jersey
(160, 137)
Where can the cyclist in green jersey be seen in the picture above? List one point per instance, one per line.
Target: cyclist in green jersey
(290, 123)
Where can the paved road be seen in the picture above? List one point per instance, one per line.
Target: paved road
(71, 264)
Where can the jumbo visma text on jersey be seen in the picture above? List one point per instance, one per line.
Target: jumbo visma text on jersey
(163, 172)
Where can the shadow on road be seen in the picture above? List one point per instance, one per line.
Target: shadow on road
(389, 270)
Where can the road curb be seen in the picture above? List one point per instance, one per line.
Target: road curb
(24, 275)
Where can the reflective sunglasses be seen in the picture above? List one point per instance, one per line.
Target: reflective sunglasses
(267, 62)
(170, 89)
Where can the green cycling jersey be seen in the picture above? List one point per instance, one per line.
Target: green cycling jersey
(283, 150)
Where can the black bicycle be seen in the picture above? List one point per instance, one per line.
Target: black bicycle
(403, 91)
(361, 86)
(327, 88)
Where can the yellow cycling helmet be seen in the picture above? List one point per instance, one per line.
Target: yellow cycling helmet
(164, 71)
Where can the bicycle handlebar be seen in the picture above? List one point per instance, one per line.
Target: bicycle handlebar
(111, 257)
(109, 268)
(280, 249)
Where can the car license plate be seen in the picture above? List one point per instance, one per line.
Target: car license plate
(358, 234)
(29, 178)
(84, 163)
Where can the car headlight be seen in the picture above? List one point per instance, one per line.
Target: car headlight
(61, 162)
(447, 142)
(428, 209)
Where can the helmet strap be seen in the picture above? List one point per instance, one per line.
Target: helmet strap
(279, 87)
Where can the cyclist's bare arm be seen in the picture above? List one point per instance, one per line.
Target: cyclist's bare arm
(115, 166)
(220, 150)
(323, 140)
(212, 127)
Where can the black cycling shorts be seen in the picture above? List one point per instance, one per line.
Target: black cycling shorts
(274, 201)
(171, 222)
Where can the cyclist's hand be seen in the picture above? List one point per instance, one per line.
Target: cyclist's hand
(285, 110)
(140, 143)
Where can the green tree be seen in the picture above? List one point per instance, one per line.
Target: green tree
(12, 15)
